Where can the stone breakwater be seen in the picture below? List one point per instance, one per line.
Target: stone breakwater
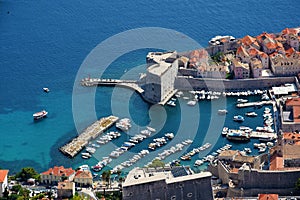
(72, 148)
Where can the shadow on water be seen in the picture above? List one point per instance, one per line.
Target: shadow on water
(17, 165)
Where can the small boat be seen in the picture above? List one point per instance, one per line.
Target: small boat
(151, 129)
(238, 118)
(191, 103)
(225, 131)
(198, 162)
(222, 111)
(185, 157)
(242, 101)
(169, 135)
(251, 114)
(40, 115)
(247, 150)
(46, 89)
(171, 103)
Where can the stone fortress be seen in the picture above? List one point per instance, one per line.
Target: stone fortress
(225, 65)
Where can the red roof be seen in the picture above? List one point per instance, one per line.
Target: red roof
(271, 45)
(3, 174)
(59, 171)
(267, 196)
(248, 40)
(289, 31)
(83, 174)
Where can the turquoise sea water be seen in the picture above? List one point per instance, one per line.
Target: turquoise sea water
(43, 44)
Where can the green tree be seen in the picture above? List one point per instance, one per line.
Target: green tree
(26, 173)
(157, 163)
(106, 176)
(16, 188)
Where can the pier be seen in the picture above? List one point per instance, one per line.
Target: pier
(72, 148)
(249, 104)
(132, 84)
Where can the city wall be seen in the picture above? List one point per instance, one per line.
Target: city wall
(185, 83)
(252, 182)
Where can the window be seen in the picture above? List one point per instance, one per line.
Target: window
(173, 197)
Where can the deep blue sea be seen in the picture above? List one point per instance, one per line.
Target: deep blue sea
(44, 43)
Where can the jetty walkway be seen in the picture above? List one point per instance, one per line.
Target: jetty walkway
(132, 84)
(72, 148)
(249, 104)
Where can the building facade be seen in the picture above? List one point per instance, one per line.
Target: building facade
(241, 70)
(65, 190)
(56, 174)
(83, 178)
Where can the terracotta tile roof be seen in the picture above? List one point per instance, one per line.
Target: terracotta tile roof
(271, 45)
(248, 40)
(3, 174)
(267, 196)
(59, 171)
(291, 136)
(289, 31)
(253, 51)
(289, 52)
(263, 36)
(242, 50)
(263, 55)
(83, 174)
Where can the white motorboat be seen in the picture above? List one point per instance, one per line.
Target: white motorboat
(40, 115)
(46, 89)
(222, 111)
(191, 102)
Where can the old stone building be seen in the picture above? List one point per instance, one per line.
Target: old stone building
(165, 184)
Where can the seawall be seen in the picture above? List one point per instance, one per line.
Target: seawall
(186, 83)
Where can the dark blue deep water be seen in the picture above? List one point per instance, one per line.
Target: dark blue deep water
(43, 44)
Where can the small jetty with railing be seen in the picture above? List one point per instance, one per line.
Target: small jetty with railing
(72, 148)
(132, 84)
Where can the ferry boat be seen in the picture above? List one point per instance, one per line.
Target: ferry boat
(238, 135)
(251, 114)
(238, 118)
(40, 115)
(222, 111)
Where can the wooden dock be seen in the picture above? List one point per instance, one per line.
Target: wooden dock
(258, 103)
(132, 84)
(72, 148)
